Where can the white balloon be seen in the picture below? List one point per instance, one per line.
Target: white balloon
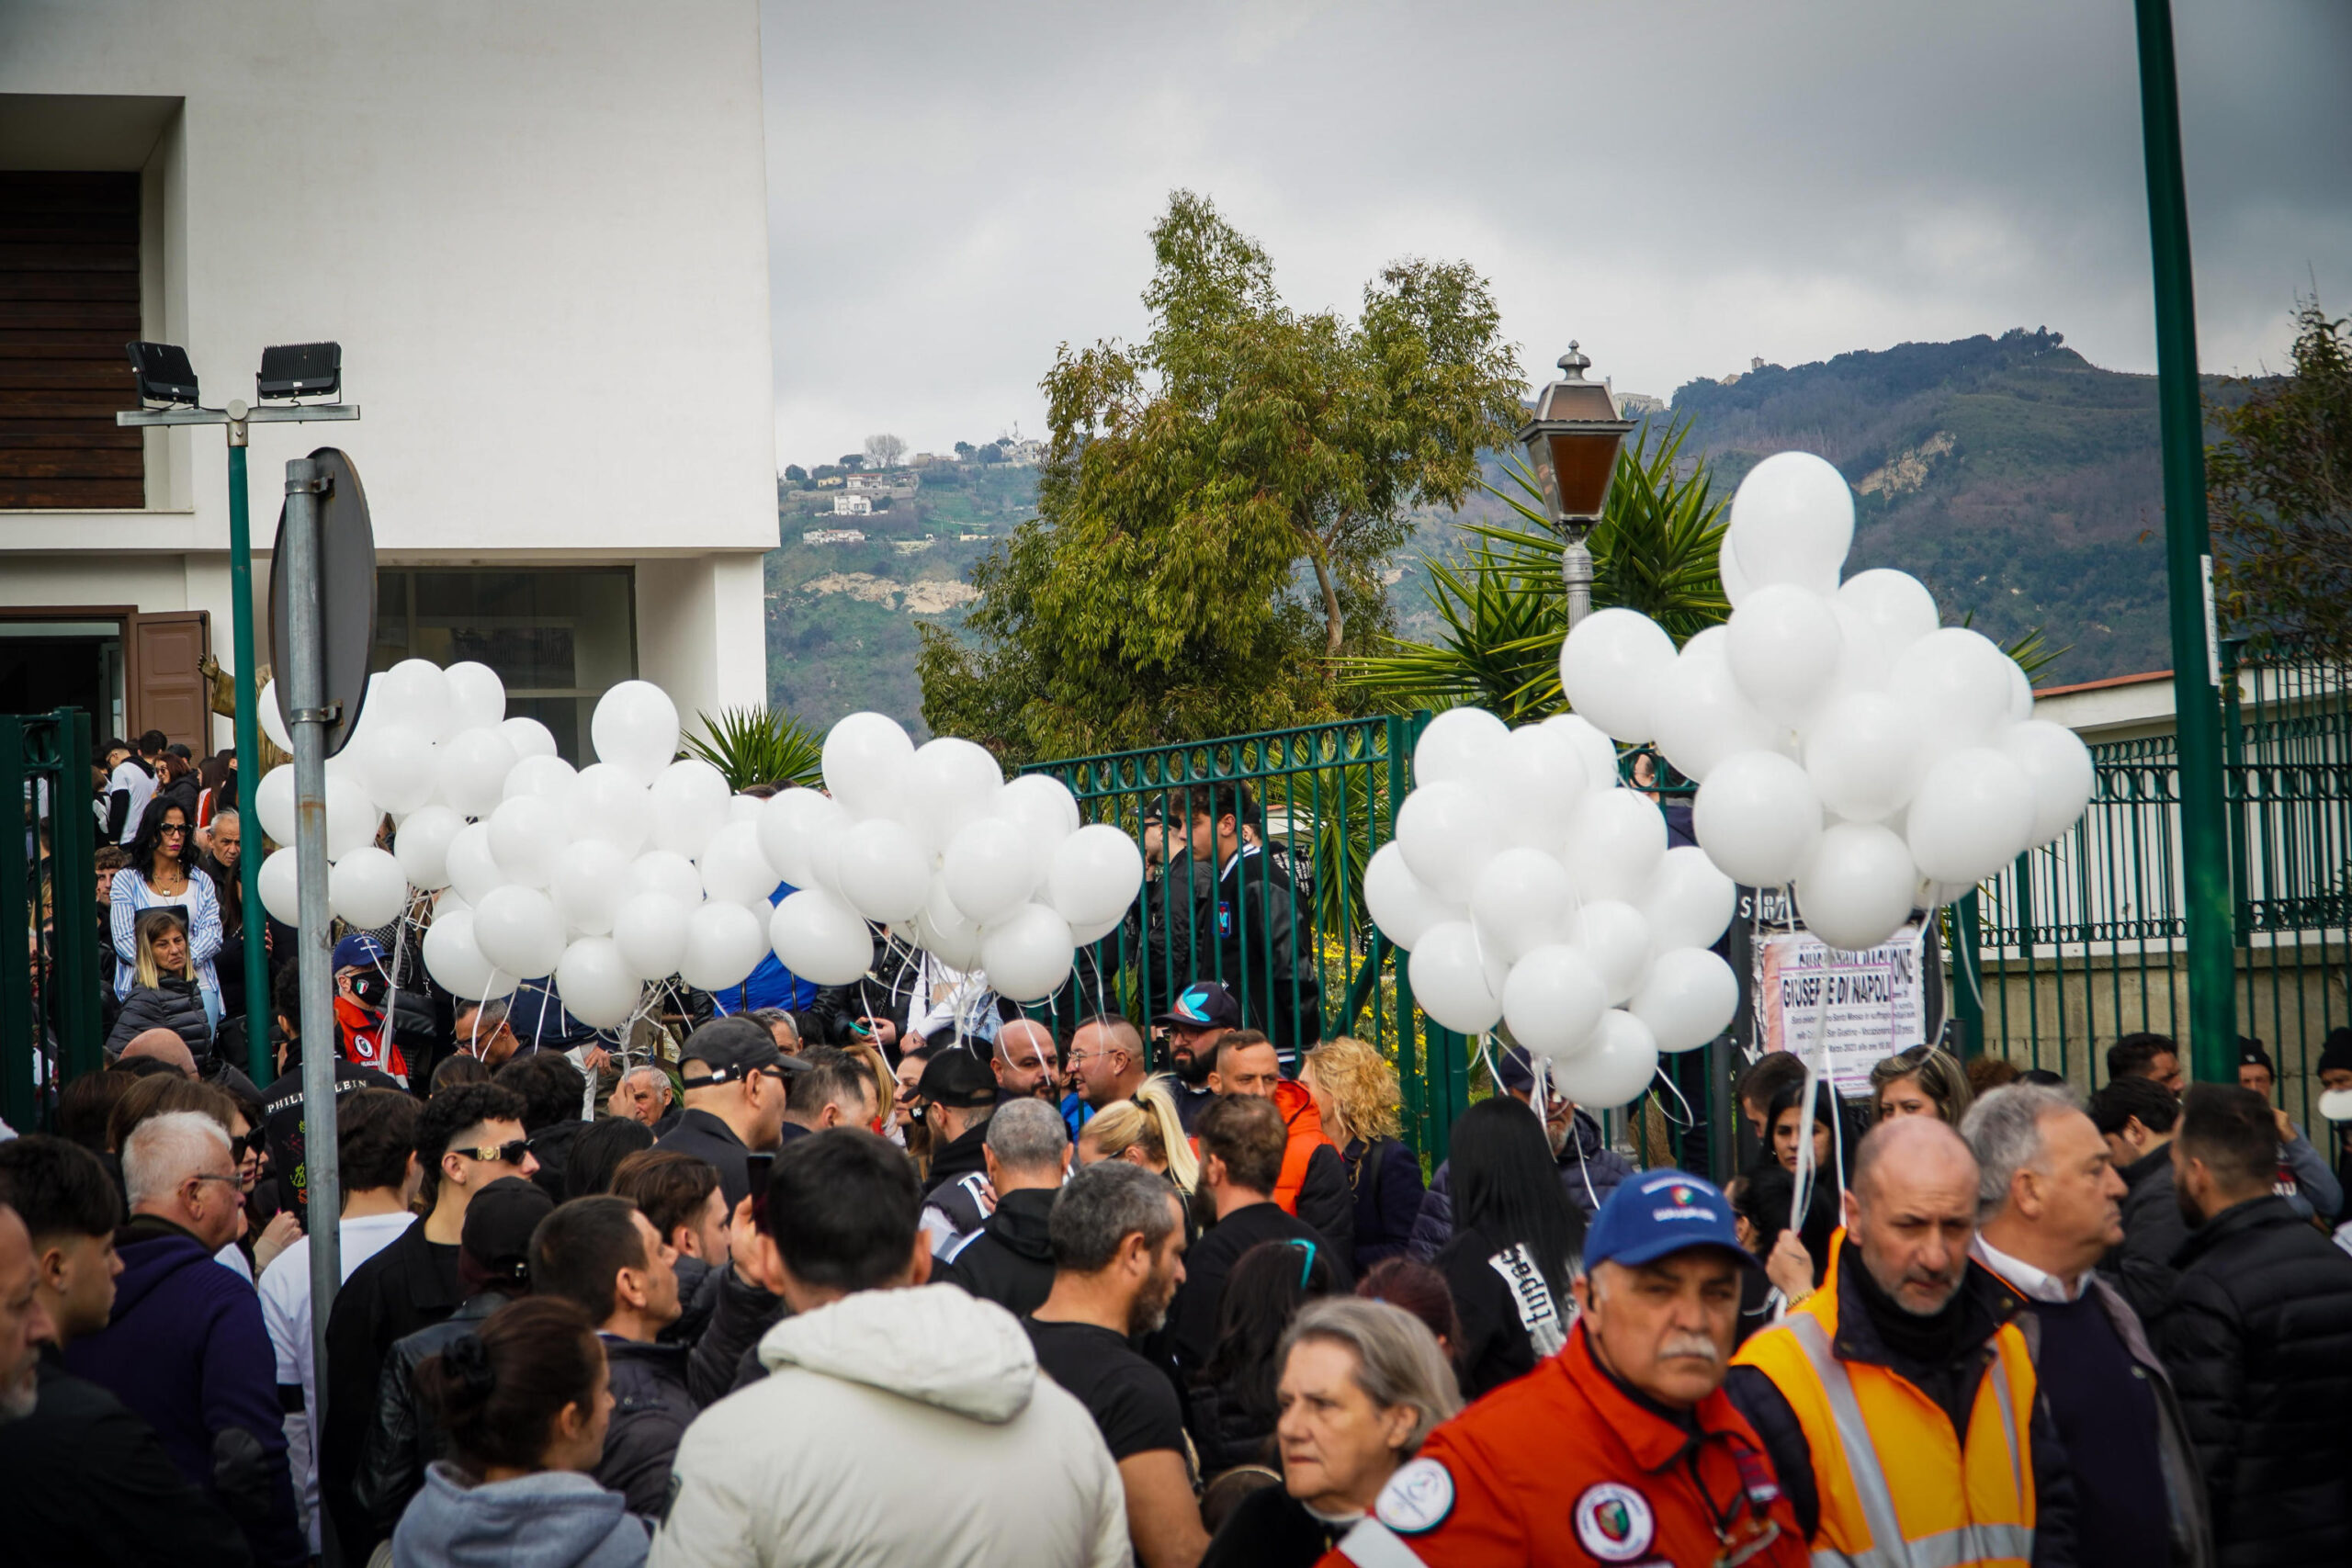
(1085, 935)
(1689, 903)
(1520, 902)
(1792, 522)
(866, 756)
(1699, 714)
(743, 807)
(1736, 583)
(1616, 939)
(473, 869)
(549, 778)
(689, 800)
(1757, 817)
(1044, 810)
(1096, 873)
(1862, 754)
(527, 839)
(472, 771)
(608, 805)
(1896, 604)
(792, 824)
(1609, 667)
(724, 944)
(1599, 752)
(1782, 645)
(1027, 954)
(650, 931)
(2020, 693)
(454, 958)
(1689, 999)
(819, 937)
(366, 889)
(352, 817)
(396, 764)
(1449, 974)
(1974, 813)
(665, 872)
(1464, 745)
(518, 929)
(1958, 682)
(635, 728)
(477, 696)
(589, 883)
(1536, 783)
(274, 804)
(1856, 888)
(1447, 831)
(1862, 660)
(530, 738)
(412, 692)
(1552, 999)
(2058, 766)
(884, 870)
(989, 869)
(735, 870)
(450, 898)
(950, 782)
(1615, 838)
(597, 985)
(273, 717)
(421, 845)
(281, 893)
(1401, 907)
(942, 931)
(1615, 1066)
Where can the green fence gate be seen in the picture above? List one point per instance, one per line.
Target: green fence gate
(49, 997)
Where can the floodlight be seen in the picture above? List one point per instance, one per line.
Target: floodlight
(164, 373)
(300, 370)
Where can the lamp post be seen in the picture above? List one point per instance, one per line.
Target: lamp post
(1572, 445)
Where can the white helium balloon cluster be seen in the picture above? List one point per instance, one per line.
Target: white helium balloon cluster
(980, 871)
(1532, 890)
(1842, 740)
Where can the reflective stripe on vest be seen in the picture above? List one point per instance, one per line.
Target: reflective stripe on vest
(1971, 1543)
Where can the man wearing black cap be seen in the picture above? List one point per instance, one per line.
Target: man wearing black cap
(957, 1096)
(494, 1262)
(734, 1080)
(1203, 1014)
(2304, 1179)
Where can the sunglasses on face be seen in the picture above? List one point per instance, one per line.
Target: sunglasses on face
(252, 1143)
(498, 1153)
(172, 827)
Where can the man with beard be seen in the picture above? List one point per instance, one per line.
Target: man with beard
(1893, 1400)
(1201, 1017)
(1117, 1232)
(1027, 1062)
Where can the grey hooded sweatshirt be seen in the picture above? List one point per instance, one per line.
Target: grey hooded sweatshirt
(554, 1519)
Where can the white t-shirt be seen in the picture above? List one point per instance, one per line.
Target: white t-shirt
(286, 1309)
(129, 775)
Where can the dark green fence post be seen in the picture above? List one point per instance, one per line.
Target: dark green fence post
(1968, 972)
(74, 962)
(19, 1021)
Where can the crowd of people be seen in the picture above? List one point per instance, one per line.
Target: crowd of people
(870, 1275)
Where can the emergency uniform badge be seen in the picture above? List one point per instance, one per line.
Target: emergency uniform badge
(1417, 1498)
(1614, 1522)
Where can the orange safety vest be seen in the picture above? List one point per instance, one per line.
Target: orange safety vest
(1898, 1488)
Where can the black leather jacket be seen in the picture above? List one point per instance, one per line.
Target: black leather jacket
(404, 1437)
(651, 1409)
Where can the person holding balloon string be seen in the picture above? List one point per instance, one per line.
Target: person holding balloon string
(1786, 1119)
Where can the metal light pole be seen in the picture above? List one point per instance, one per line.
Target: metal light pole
(2188, 570)
(1572, 443)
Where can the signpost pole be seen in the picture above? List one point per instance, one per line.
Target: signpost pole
(305, 683)
(240, 595)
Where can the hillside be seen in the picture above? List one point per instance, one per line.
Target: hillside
(2013, 477)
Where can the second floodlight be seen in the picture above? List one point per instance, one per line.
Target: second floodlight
(300, 370)
(162, 371)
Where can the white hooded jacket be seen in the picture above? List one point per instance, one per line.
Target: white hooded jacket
(896, 1427)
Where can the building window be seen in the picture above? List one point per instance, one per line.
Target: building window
(68, 300)
(557, 637)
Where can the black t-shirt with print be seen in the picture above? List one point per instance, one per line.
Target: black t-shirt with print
(1131, 1400)
(1505, 1309)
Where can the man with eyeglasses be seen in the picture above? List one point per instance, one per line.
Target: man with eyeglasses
(467, 1138)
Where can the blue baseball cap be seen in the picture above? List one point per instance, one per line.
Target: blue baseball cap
(1654, 1214)
(1206, 1004)
(358, 951)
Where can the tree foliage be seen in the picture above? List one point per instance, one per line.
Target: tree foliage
(885, 450)
(1217, 501)
(2279, 486)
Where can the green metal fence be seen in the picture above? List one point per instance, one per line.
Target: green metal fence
(2083, 940)
(49, 1001)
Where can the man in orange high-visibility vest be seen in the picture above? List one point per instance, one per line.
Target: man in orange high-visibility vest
(1899, 1400)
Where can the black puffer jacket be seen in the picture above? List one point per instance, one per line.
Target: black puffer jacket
(2258, 1337)
(652, 1410)
(404, 1437)
(2141, 1265)
(171, 1003)
(1010, 1261)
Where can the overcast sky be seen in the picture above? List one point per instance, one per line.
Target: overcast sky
(956, 189)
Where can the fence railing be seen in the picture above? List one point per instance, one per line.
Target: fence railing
(48, 1004)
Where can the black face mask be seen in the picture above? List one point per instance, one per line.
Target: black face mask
(371, 987)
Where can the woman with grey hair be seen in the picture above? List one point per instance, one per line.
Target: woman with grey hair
(1362, 1383)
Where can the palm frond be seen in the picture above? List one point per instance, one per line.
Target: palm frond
(759, 745)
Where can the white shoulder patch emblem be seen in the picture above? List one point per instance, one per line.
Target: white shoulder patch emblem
(1614, 1522)
(1417, 1498)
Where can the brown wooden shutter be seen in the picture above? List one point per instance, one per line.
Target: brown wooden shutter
(167, 693)
(68, 300)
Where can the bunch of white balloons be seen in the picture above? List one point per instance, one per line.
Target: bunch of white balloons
(1532, 890)
(982, 872)
(1843, 741)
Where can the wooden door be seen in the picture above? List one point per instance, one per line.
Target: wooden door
(167, 691)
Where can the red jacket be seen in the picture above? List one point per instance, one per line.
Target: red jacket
(1563, 1468)
(1303, 1125)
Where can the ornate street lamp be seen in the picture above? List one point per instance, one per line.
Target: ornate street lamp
(1572, 445)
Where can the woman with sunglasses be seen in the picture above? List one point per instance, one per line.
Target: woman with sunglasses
(163, 992)
(1231, 1408)
(163, 875)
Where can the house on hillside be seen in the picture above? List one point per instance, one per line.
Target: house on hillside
(853, 505)
(832, 536)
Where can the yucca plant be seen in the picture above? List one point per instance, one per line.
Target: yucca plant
(759, 745)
